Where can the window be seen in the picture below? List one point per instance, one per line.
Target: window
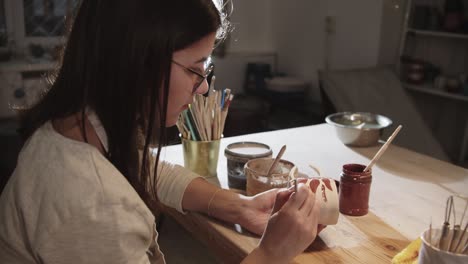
(46, 18)
(3, 29)
(40, 22)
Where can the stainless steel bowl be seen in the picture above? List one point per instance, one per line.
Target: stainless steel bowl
(358, 129)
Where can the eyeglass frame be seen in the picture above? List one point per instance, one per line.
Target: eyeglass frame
(202, 77)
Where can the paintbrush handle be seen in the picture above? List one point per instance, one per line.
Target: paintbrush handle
(383, 148)
(458, 247)
(292, 173)
(444, 237)
(275, 162)
(456, 233)
(465, 249)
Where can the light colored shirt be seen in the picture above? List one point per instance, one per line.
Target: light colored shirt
(66, 203)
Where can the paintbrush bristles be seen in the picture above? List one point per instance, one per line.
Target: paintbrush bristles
(205, 118)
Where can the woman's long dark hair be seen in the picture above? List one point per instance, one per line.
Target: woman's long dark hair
(117, 62)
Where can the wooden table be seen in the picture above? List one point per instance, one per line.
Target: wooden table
(408, 190)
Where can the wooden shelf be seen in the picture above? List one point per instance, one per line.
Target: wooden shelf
(438, 34)
(429, 89)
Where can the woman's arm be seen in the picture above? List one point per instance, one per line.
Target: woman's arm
(184, 190)
(259, 256)
(291, 219)
(252, 213)
(225, 205)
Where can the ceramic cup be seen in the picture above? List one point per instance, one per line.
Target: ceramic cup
(327, 192)
(429, 253)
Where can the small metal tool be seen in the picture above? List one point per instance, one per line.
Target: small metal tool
(444, 236)
(455, 232)
(458, 244)
(430, 233)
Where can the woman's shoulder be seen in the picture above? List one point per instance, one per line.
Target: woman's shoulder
(57, 180)
(56, 164)
(66, 177)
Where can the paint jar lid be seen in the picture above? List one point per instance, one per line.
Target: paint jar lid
(247, 150)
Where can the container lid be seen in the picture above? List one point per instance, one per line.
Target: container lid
(249, 150)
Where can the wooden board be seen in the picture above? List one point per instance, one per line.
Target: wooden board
(365, 239)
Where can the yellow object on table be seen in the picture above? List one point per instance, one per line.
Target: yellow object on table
(409, 255)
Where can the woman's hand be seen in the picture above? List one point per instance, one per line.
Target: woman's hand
(293, 225)
(257, 211)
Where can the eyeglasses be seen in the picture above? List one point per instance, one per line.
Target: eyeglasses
(200, 78)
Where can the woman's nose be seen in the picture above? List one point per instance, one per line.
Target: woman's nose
(203, 87)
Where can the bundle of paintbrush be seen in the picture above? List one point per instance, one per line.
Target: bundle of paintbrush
(205, 118)
(455, 239)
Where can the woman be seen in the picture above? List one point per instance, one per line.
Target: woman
(86, 180)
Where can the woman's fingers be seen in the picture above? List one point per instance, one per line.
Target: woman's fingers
(320, 228)
(314, 214)
(281, 198)
(304, 200)
(308, 204)
(297, 199)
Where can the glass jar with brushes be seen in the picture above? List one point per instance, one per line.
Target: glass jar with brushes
(201, 128)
